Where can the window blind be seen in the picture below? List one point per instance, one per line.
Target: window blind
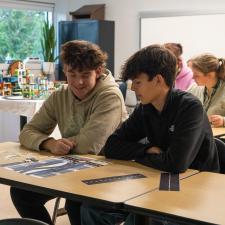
(41, 5)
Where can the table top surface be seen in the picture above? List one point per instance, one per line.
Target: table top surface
(201, 198)
(70, 185)
(218, 131)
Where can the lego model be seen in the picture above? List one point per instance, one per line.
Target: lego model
(18, 81)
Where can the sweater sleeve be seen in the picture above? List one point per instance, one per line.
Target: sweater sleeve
(40, 126)
(123, 144)
(108, 113)
(185, 142)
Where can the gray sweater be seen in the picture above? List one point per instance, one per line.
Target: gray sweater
(217, 104)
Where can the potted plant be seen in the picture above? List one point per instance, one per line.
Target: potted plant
(48, 44)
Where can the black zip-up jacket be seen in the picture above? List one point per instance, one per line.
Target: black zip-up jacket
(182, 131)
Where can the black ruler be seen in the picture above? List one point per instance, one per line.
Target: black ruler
(113, 179)
(169, 182)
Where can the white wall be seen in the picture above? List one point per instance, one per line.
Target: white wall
(126, 13)
(61, 10)
(195, 39)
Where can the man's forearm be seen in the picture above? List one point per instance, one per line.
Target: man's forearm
(48, 144)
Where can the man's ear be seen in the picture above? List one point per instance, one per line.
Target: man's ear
(159, 79)
(98, 71)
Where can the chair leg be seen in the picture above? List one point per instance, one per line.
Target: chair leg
(55, 211)
(58, 211)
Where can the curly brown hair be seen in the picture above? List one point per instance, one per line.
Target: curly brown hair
(82, 55)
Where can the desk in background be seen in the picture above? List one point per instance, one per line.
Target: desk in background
(200, 200)
(24, 108)
(70, 185)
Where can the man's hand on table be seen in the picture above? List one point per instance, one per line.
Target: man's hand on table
(58, 147)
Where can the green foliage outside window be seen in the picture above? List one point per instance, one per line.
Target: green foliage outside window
(20, 33)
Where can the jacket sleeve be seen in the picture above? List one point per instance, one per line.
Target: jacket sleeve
(40, 126)
(108, 113)
(123, 144)
(185, 142)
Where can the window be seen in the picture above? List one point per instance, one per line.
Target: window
(20, 28)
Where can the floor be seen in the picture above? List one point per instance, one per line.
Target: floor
(7, 209)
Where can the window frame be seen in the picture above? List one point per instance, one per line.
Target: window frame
(29, 5)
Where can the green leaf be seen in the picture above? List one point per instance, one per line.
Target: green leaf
(48, 42)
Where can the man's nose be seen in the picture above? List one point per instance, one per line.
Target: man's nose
(80, 81)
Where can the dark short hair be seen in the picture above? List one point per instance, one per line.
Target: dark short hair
(151, 60)
(82, 55)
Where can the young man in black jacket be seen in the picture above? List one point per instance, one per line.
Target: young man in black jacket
(176, 128)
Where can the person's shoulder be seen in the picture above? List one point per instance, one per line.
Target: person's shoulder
(220, 93)
(195, 89)
(222, 84)
(62, 90)
(106, 80)
(60, 94)
(185, 98)
(107, 86)
(109, 94)
(185, 104)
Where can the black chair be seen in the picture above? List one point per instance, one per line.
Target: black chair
(21, 221)
(221, 153)
(123, 88)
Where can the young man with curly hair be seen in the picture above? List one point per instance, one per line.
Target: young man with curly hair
(86, 111)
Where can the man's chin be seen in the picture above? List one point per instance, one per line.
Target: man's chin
(144, 102)
(78, 95)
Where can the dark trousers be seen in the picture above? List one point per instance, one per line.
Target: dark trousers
(91, 215)
(31, 205)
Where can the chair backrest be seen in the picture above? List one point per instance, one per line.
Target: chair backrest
(21, 221)
(129, 96)
(123, 89)
(220, 145)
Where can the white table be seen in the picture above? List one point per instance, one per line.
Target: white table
(200, 201)
(71, 186)
(23, 107)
